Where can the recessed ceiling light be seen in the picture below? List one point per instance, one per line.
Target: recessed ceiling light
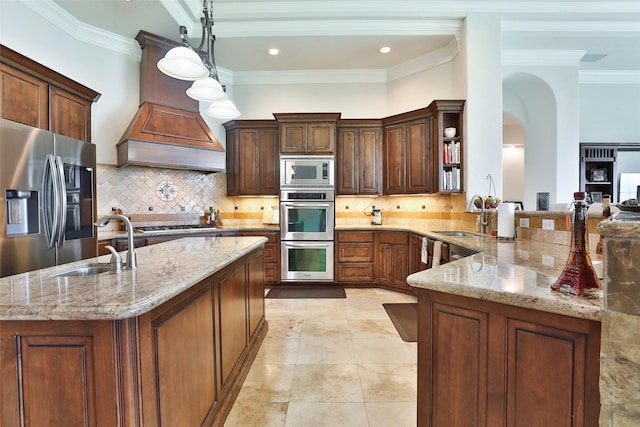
(273, 51)
(385, 49)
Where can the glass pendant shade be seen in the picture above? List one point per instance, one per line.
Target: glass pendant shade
(223, 110)
(183, 63)
(207, 90)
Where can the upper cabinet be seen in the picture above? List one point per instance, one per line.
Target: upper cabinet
(307, 133)
(447, 134)
(409, 166)
(35, 95)
(359, 157)
(253, 164)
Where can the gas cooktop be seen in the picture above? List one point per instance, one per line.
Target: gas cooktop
(172, 228)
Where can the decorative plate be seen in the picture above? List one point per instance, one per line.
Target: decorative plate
(167, 190)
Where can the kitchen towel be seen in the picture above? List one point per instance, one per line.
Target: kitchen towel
(424, 253)
(437, 253)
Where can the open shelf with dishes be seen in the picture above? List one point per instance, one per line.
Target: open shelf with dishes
(448, 128)
(598, 174)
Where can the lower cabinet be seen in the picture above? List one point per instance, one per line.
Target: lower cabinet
(354, 256)
(180, 364)
(393, 260)
(487, 364)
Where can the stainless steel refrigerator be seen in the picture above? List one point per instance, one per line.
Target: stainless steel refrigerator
(46, 199)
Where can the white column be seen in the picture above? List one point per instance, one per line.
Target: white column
(483, 119)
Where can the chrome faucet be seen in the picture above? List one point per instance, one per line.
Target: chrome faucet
(132, 262)
(482, 219)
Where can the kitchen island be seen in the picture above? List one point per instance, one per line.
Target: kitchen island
(166, 344)
(497, 347)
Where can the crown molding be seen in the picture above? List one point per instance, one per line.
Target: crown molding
(573, 27)
(543, 58)
(66, 22)
(587, 77)
(426, 61)
(391, 9)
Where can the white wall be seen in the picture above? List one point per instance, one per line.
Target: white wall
(609, 113)
(114, 75)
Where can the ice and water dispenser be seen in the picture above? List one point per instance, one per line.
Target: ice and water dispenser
(22, 212)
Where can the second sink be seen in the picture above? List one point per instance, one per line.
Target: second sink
(456, 233)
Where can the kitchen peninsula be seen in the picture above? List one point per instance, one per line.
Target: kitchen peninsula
(166, 344)
(497, 347)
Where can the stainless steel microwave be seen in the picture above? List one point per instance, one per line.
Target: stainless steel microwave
(307, 171)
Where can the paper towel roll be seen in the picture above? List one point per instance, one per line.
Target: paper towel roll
(506, 220)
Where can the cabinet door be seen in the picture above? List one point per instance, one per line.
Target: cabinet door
(269, 163)
(545, 375)
(293, 138)
(394, 159)
(248, 162)
(255, 292)
(369, 161)
(23, 98)
(70, 115)
(232, 162)
(347, 160)
(321, 138)
(385, 264)
(419, 167)
(415, 254)
(453, 359)
(232, 319)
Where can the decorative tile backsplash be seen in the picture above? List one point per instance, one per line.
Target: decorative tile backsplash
(141, 190)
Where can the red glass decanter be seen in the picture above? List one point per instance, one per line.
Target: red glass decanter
(578, 275)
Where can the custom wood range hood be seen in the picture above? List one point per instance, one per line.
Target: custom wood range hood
(167, 131)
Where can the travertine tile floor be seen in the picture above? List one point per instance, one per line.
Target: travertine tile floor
(330, 362)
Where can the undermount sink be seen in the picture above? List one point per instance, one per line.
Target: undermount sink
(456, 233)
(85, 270)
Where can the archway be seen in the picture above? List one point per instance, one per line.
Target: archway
(530, 101)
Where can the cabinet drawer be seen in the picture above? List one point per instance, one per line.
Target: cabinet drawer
(271, 273)
(355, 252)
(394, 238)
(271, 253)
(355, 272)
(272, 236)
(355, 236)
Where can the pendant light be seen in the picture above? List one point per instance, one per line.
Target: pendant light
(189, 63)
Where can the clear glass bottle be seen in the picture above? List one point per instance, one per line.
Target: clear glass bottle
(578, 275)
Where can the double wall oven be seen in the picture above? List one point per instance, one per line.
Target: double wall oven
(307, 218)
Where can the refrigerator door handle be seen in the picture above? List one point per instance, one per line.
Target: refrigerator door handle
(50, 212)
(62, 202)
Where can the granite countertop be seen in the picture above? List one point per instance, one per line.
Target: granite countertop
(515, 272)
(164, 271)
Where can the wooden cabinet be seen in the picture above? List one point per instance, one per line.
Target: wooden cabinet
(393, 260)
(35, 95)
(598, 170)
(123, 244)
(448, 149)
(407, 154)
(359, 157)
(253, 165)
(486, 364)
(271, 254)
(307, 133)
(354, 256)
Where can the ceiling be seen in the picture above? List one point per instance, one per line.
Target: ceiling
(346, 34)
